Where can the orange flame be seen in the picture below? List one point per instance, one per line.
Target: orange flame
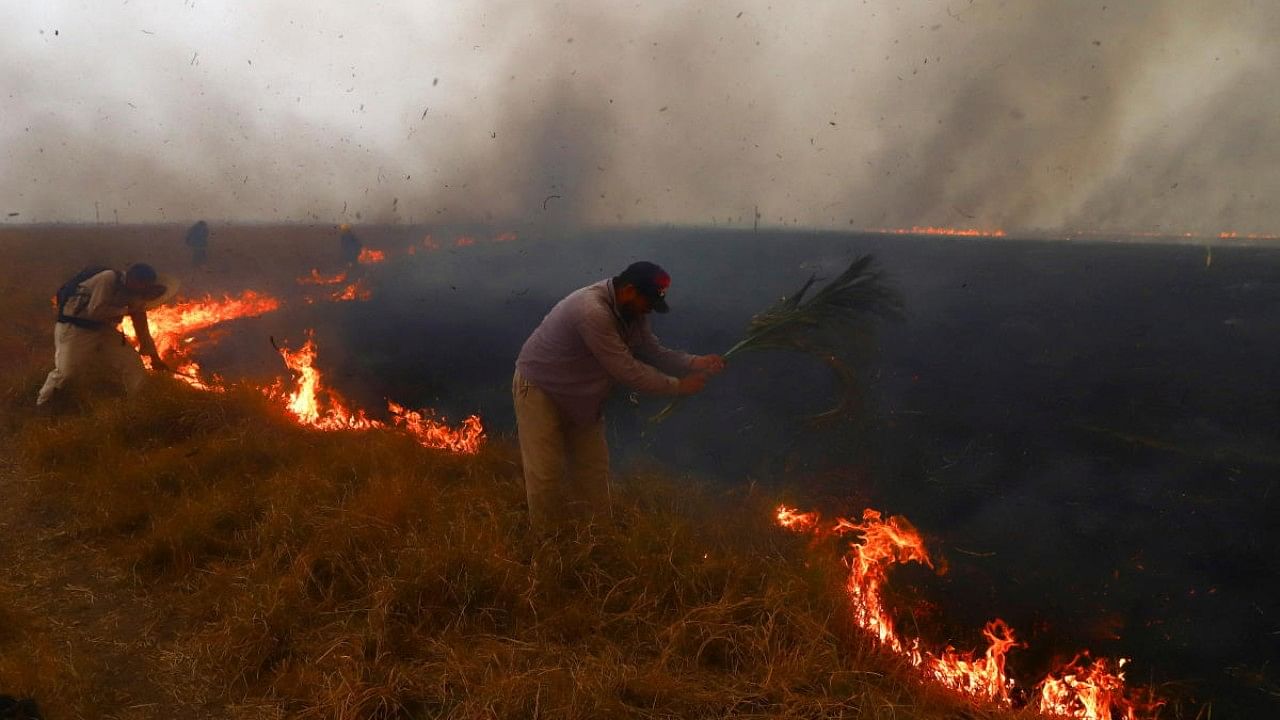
(354, 291)
(310, 402)
(984, 677)
(465, 241)
(789, 518)
(314, 405)
(173, 327)
(369, 257)
(1246, 236)
(1088, 693)
(315, 278)
(930, 230)
(1083, 689)
(437, 434)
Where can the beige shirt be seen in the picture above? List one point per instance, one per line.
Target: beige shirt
(102, 298)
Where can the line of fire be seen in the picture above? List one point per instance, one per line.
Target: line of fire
(1085, 687)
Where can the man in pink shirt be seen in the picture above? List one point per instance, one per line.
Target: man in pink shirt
(596, 337)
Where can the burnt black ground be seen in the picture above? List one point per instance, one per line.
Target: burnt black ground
(1087, 432)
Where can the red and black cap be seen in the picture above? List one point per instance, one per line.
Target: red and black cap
(649, 280)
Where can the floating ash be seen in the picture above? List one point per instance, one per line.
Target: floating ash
(1091, 691)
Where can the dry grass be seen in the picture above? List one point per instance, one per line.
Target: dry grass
(352, 575)
(291, 573)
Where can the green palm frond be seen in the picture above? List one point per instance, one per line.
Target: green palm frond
(840, 315)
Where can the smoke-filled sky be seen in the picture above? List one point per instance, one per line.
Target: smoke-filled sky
(1029, 114)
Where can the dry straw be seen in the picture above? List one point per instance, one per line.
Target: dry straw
(832, 324)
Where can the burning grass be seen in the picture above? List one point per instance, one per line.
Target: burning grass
(370, 572)
(357, 574)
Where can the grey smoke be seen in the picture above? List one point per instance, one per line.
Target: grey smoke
(1042, 114)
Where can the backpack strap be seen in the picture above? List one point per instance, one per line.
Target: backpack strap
(80, 322)
(85, 323)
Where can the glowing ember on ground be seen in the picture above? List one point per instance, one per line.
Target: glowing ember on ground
(1246, 236)
(929, 230)
(368, 257)
(317, 406)
(1092, 692)
(315, 278)
(354, 291)
(189, 373)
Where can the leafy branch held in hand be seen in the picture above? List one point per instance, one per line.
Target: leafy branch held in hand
(840, 313)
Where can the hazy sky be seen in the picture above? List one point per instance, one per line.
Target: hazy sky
(1030, 114)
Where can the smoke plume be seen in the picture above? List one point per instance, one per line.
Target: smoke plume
(1039, 115)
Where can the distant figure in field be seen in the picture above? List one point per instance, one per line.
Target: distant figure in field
(198, 241)
(90, 307)
(351, 245)
(597, 336)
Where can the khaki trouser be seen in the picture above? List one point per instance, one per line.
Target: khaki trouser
(76, 350)
(566, 466)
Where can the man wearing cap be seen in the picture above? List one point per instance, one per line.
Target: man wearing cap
(87, 334)
(350, 244)
(596, 337)
(198, 240)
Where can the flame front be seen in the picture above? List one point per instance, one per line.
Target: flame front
(310, 402)
(314, 405)
(430, 432)
(354, 291)
(369, 257)
(1092, 692)
(173, 327)
(315, 278)
(948, 231)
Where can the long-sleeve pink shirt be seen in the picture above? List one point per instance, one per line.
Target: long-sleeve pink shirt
(585, 345)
